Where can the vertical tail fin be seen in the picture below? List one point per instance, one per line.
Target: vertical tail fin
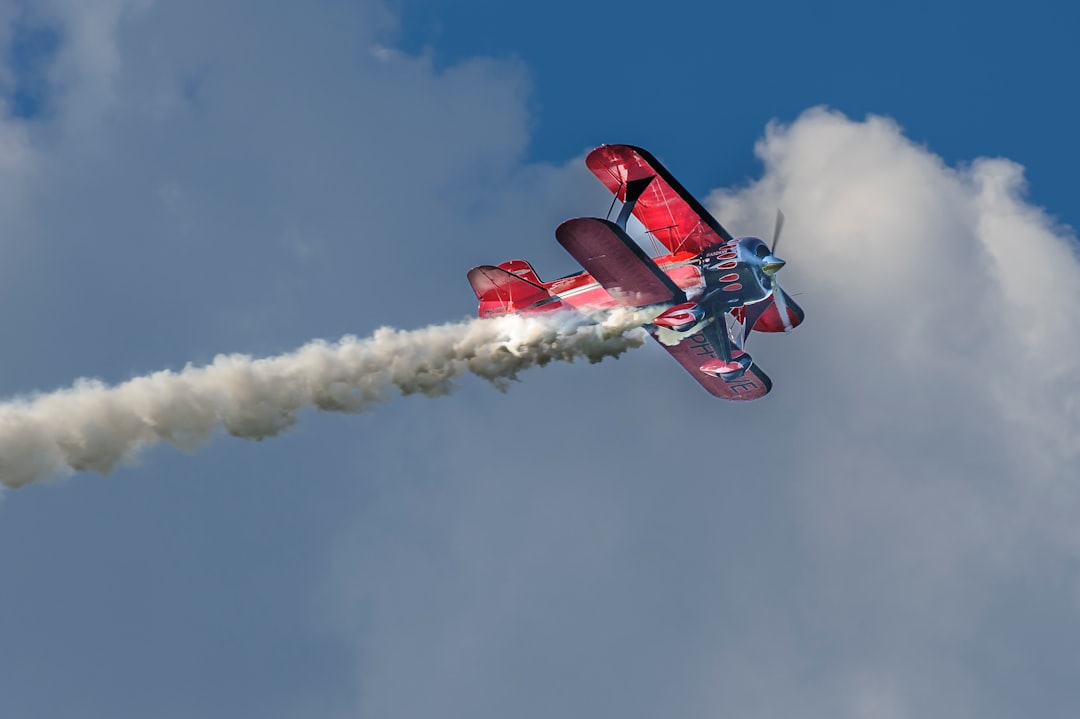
(522, 269)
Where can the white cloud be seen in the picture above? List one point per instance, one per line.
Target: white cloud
(150, 222)
(862, 543)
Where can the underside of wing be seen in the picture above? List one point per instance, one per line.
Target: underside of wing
(669, 213)
(693, 351)
(617, 262)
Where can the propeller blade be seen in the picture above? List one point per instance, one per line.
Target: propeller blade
(781, 304)
(778, 294)
(776, 230)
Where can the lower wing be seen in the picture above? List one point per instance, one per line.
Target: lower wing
(696, 349)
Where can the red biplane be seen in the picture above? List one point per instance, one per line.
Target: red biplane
(710, 290)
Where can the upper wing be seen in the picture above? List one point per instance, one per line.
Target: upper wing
(695, 350)
(617, 262)
(670, 214)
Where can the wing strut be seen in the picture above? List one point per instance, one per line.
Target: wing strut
(634, 189)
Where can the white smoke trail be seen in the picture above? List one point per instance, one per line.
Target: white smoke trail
(93, 427)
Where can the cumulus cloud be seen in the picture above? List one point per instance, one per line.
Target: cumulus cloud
(944, 281)
(868, 541)
(933, 396)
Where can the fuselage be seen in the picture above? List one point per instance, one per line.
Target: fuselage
(728, 277)
(724, 276)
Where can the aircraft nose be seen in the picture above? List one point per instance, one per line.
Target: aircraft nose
(771, 264)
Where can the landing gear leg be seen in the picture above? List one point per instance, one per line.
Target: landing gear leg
(730, 363)
(719, 339)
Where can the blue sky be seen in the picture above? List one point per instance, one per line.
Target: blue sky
(968, 79)
(891, 533)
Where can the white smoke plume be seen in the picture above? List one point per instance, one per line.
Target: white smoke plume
(91, 426)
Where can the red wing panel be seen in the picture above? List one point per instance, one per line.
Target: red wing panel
(671, 214)
(617, 262)
(695, 350)
(764, 316)
(770, 321)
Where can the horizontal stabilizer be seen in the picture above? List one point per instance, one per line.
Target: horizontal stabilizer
(500, 291)
(617, 262)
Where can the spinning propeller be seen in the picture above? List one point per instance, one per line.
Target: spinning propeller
(770, 266)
